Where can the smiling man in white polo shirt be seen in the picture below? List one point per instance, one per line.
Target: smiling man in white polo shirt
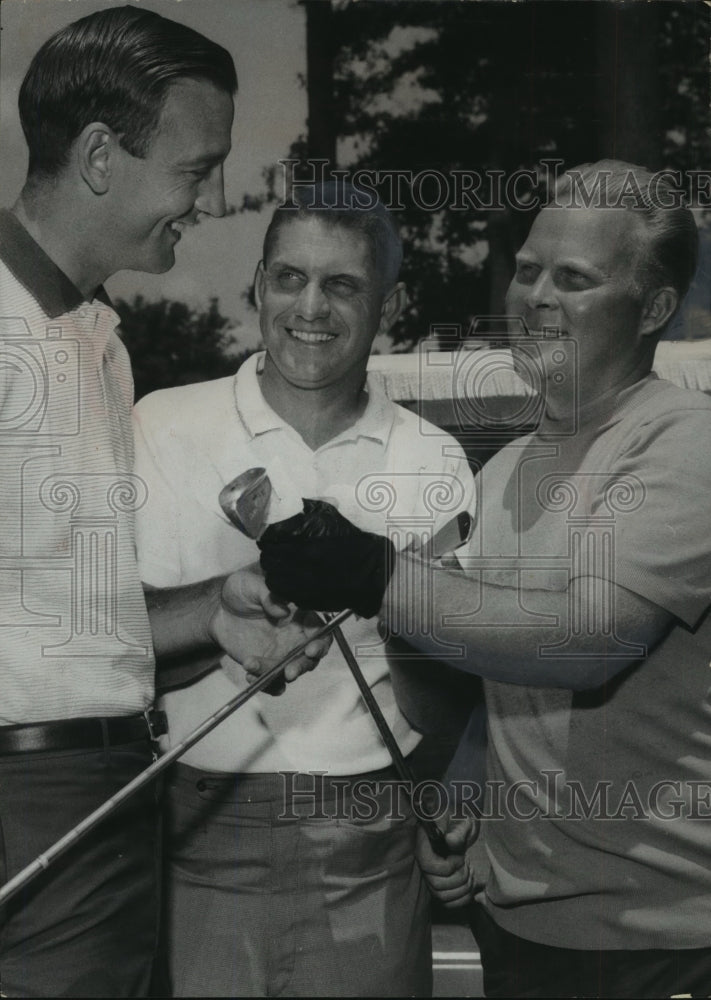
(309, 904)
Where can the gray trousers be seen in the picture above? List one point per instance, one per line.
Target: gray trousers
(290, 886)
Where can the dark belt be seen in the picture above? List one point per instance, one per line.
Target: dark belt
(253, 782)
(82, 734)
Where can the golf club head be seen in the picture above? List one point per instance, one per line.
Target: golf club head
(245, 501)
(451, 536)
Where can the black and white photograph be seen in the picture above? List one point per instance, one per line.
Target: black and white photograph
(355, 573)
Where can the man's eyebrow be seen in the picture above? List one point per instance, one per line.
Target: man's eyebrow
(206, 160)
(577, 264)
(346, 276)
(357, 277)
(573, 263)
(282, 262)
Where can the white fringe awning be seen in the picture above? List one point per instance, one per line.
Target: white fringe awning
(481, 385)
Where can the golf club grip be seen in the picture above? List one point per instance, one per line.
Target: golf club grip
(434, 834)
(44, 860)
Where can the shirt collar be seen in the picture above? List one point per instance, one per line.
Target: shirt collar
(258, 417)
(50, 286)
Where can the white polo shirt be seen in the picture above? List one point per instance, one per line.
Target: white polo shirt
(383, 473)
(74, 630)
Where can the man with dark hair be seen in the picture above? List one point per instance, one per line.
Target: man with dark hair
(128, 118)
(115, 67)
(585, 610)
(341, 206)
(291, 856)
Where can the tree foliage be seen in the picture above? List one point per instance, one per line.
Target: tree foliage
(489, 86)
(172, 344)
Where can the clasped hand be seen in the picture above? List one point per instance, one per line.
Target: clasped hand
(450, 879)
(258, 631)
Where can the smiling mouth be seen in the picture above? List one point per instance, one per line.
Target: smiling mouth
(310, 337)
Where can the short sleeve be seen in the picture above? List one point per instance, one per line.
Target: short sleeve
(661, 513)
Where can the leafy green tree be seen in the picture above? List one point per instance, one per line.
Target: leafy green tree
(172, 344)
(489, 86)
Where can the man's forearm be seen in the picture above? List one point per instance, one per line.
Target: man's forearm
(500, 638)
(180, 620)
(194, 625)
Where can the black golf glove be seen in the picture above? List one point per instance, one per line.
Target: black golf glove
(321, 561)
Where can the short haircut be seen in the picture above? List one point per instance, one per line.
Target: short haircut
(669, 255)
(114, 66)
(341, 205)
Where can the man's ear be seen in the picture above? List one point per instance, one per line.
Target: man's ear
(95, 149)
(392, 307)
(259, 279)
(658, 308)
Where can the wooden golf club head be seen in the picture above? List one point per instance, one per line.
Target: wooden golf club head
(245, 501)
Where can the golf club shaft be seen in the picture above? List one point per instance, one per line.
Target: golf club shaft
(434, 834)
(43, 861)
